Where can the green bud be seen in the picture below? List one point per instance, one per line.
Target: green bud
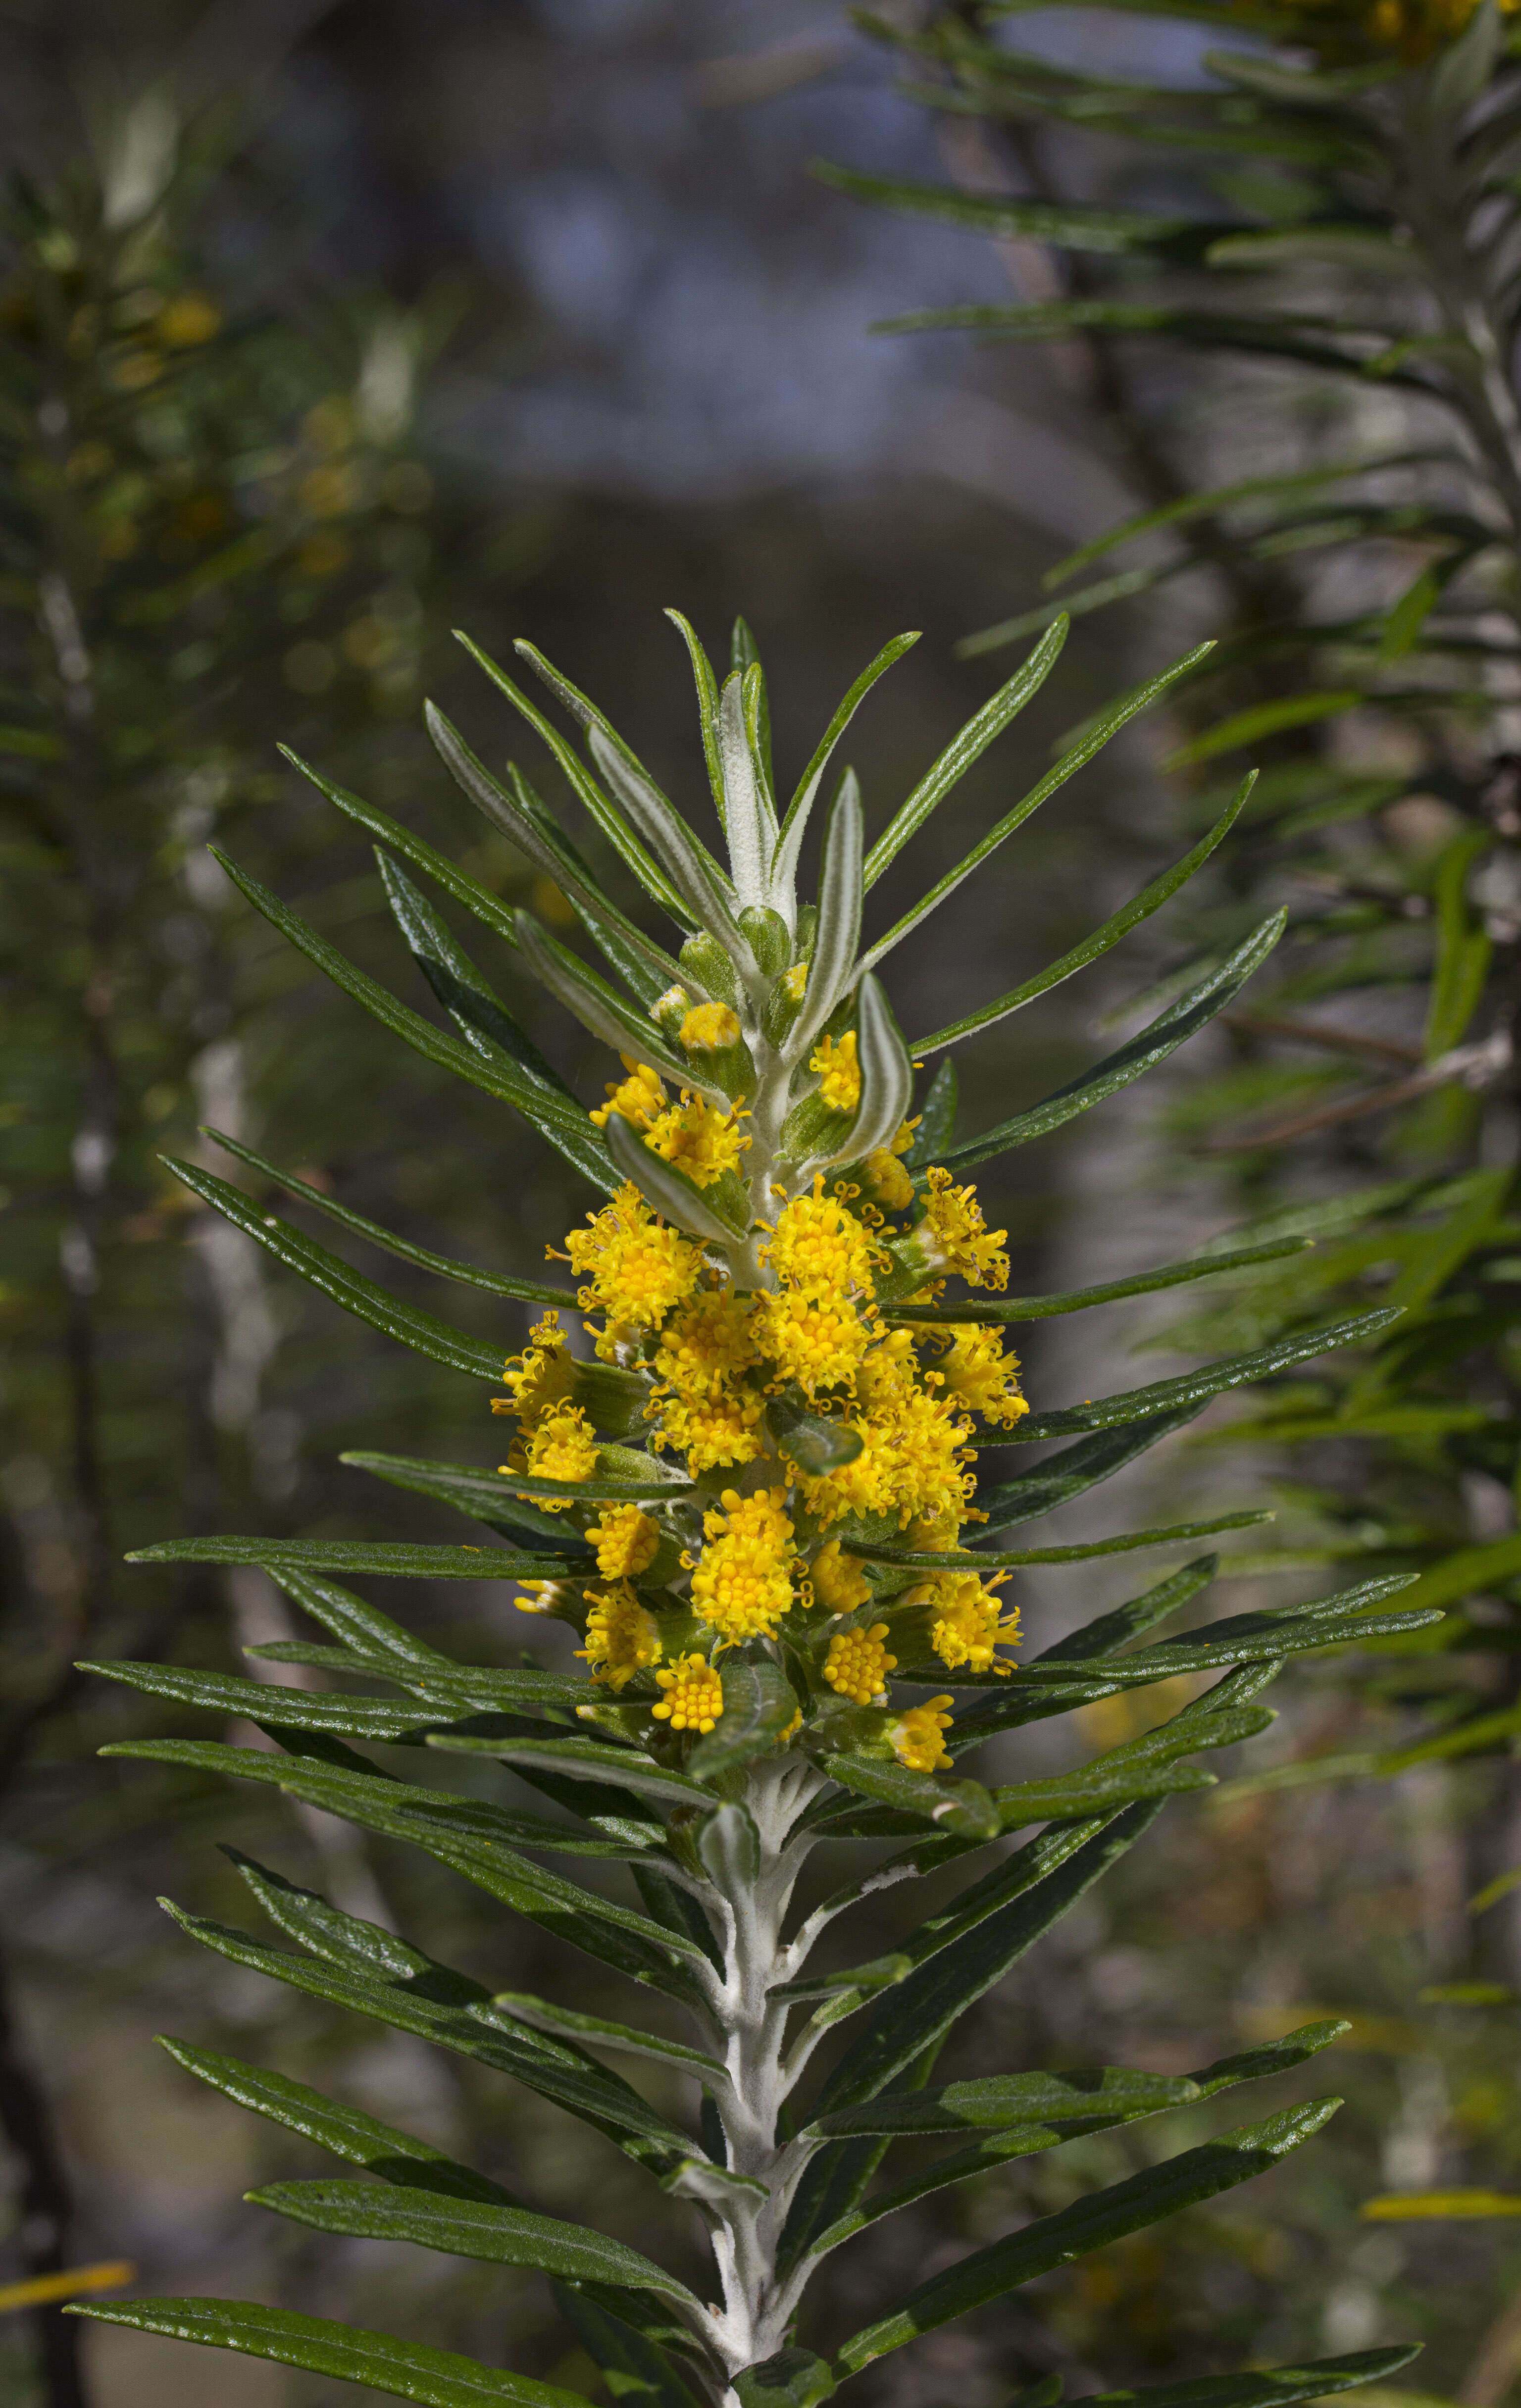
(669, 1009)
(808, 925)
(769, 938)
(704, 959)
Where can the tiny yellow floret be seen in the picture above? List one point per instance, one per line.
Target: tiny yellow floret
(561, 1448)
(625, 1540)
(698, 1138)
(710, 1028)
(622, 1638)
(966, 1626)
(858, 1664)
(978, 1371)
(693, 1698)
(916, 1737)
(743, 1584)
(955, 1236)
(637, 1098)
(839, 1073)
(839, 1581)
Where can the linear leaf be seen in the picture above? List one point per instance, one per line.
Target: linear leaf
(596, 1005)
(1090, 2224)
(584, 786)
(320, 1710)
(963, 749)
(1120, 924)
(707, 685)
(1310, 340)
(685, 860)
(346, 2133)
(749, 818)
(833, 964)
(565, 1126)
(1263, 719)
(789, 842)
(481, 1018)
(519, 2007)
(1043, 1308)
(470, 1274)
(467, 2227)
(494, 1497)
(589, 1759)
(554, 2069)
(1007, 2100)
(400, 1809)
(1093, 740)
(1111, 1630)
(918, 1559)
(962, 1807)
(407, 1324)
(1266, 2387)
(405, 2370)
(1166, 1033)
(366, 1555)
(1072, 225)
(356, 1622)
(1213, 1380)
(627, 2358)
(1078, 1469)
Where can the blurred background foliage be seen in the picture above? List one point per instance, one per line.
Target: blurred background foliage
(324, 329)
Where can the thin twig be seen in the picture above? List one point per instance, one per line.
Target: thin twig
(1477, 1066)
(1306, 1032)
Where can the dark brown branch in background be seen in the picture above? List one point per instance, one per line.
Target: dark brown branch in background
(46, 2205)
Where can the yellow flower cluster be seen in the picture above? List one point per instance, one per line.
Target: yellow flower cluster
(1416, 29)
(714, 1337)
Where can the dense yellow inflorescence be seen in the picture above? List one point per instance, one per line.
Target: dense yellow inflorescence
(1416, 30)
(871, 1439)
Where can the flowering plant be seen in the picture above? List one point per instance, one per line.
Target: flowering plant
(751, 1503)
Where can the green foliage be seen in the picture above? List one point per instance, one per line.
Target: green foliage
(717, 1823)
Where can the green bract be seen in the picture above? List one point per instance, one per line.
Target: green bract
(718, 1817)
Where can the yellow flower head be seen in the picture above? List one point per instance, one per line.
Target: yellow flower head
(561, 1448)
(839, 1581)
(858, 1664)
(839, 1073)
(698, 1138)
(932, 1475)
(636, 1269)
(864, 1486)
(916, 1737)
(819, 1249)
(693, 1698)
(706, 1343)
(636, 1098)
(710, 1028)
(622, 1638)
(978, 1371)
(625, 1540)
(887, 1182)
(795, 981)
(965, 1626)
(954, 1235)
(1414, 28)
(542, 1377)
(815, 1341)
(714, 1433)
(743, 1584)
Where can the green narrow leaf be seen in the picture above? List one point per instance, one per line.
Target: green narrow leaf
(1263, 719)
(962, 1807)
(793, 2378)
(496, 1497)
(565, 1128)
(1111, 1630)
(467, 2227)
(667, 1186)
(596, 1005)
(1266, 2387)
(707, 685)
(1077, 1468)
(1099, 2093)
(886, 1074)
(1093, 740)
(357, 1622)
(349, 2353)
(552, 2068)
(1120, 924)
(589, 1759)
(407, 1324)
(320, 1710)
(422, 1257)
(584, 786)
(986, 1559)
(963, 749)
(596, 2031)
(1089, 2224)
(833, 965)
(1463, 948)
(1196, 1387)
(399, 1562)
(1043, 1308)
(1072, 225)
(750, 819)
(481, 1018)
(937, 1118)
(1166, 1033)
(345, 2131)
(789, 842)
